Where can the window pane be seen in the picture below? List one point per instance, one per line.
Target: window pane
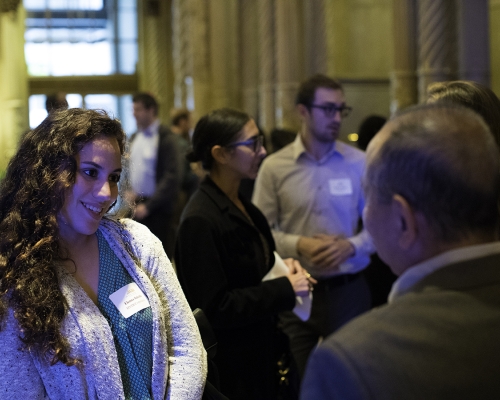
(74, 100)
(37, 109)
(106, 102)
(61, 41)
(63, 4)
(128, 58)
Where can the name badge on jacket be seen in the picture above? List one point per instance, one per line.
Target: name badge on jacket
(340, 187)
(129, 299)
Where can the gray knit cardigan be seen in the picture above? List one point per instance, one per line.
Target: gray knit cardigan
(179, 360)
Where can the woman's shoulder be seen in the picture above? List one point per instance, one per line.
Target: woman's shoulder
(125, 231)
(202, 205)
(124, 225)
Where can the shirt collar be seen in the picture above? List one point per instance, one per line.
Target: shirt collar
(152, 129)
(299, 150)
(415, 274)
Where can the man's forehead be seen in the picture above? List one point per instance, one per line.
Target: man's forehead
(329, 95)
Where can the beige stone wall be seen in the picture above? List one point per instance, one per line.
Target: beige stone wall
(360, 36)
(13, 84)
(253, 54)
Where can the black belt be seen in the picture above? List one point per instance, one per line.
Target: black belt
(336, 281)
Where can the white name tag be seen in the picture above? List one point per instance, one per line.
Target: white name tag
(340, 187)
(129, 300)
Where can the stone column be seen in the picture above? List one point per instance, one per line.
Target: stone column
(315, 48)
(155, 59)
(249, 50)
(403, 76)
(224, 55)
(473, 40)
(437, 43)
(13, 84)
(289, 63)
(180, 50)
(266, 40)
(198, 60)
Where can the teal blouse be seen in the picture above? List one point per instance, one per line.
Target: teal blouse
(132, 336)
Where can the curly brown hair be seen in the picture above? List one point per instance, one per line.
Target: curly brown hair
(31, 195)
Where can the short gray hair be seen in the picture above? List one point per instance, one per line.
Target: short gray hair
(443, 160)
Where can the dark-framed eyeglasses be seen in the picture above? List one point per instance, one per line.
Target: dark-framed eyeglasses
(331, 109)
(255, 143)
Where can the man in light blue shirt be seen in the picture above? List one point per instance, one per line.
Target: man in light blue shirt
(432, 186)
(310, 192)
(154, 171)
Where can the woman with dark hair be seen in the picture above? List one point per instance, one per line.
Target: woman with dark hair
(470, 94)
(90, 306)
(224, 249)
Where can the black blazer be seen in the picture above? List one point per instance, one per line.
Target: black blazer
(168, 175)
(220, 262)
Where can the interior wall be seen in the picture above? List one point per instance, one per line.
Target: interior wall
(363, 56)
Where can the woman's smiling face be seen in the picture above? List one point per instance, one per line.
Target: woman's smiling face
(95, 188)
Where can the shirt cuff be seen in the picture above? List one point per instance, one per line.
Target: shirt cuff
(287, 244)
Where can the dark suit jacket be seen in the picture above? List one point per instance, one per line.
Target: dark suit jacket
(220, 261)
(441, 340)
(167, 174)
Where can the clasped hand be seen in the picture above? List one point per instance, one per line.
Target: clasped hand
(325, 251)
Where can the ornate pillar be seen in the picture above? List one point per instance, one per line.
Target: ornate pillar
(198, 50)
(155, 58)
(473, 40)
(315, 37)
(180, 50)
(403, 76)
(224, 53)
(266, 39)
(13, 82)
(289, 63)
(437, 43)
(249, 51)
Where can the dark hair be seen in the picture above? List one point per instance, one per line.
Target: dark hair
(219, 127)
(307, 89)
(472, 95)
(281, 137)
(442, 159)
(31, 195)
(179, 114)
(368, 129)
(56, 101)
(147, 100)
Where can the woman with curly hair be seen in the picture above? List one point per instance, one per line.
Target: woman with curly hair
(90, 305)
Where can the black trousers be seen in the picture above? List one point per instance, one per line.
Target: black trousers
(335, 301)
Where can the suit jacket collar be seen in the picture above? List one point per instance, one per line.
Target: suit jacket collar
(460, 275)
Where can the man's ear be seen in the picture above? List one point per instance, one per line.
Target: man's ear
(406, 222)
(219, 154)
(302, 110)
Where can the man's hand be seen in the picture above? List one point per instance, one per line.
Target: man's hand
(141, 212)
(325, 251)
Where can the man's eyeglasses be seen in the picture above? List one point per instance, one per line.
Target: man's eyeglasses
(255, 143)
(331, 109)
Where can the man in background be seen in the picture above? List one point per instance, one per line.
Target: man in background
(154, 170)
(432, 187)
(310, 192)
(56, 101)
